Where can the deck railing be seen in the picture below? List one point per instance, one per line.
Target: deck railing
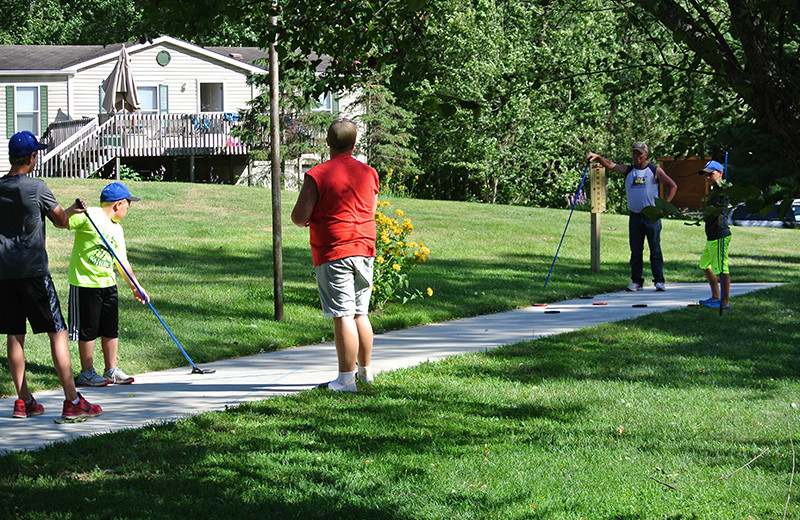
(93, 146)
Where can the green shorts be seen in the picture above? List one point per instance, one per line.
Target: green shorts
(715, 254)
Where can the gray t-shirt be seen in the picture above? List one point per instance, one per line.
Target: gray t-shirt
(641, 188)
(24, 204)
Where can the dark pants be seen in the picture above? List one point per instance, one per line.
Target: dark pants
(639, 227)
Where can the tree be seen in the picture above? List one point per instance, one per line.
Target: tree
(63, 22)
(749, 47)
(385, 139)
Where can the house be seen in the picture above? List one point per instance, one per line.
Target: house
(190, 99)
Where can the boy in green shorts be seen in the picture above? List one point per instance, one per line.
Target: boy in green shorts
(93, 301)
(714, 259)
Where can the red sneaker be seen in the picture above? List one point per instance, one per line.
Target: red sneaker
(83, 409)
(22, 410)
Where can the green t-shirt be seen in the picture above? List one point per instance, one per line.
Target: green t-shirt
(91, 264)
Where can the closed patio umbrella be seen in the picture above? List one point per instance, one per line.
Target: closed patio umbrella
(119, 87)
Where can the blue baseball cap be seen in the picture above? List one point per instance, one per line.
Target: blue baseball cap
(116, 191)
(24, 143)
(711, 167)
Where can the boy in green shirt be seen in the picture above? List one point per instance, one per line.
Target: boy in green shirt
(93, 301)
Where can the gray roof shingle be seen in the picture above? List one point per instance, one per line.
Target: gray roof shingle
(58, 57)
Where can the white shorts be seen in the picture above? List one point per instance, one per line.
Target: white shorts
(345, 286)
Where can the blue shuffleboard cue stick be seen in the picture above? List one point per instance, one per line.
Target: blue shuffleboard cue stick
(722, 258)
(568, 219)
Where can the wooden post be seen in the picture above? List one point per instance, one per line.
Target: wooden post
(598, 193)
(274, 119)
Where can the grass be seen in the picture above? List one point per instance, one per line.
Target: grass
(579, 425)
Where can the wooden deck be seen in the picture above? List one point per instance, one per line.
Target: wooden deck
(79, 149)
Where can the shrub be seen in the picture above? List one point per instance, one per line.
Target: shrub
(396, 256)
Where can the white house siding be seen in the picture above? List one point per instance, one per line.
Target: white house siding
(56, 98)
(181, 75)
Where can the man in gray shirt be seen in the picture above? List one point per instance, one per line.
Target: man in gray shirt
(26, 288)
(642, 181)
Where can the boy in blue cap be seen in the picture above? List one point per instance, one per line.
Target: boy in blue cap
(26, 288)
(93, 300)
(714, 258)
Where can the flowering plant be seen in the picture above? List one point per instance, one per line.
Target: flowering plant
(395, 257)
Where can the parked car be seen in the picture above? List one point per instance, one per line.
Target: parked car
(740, 217)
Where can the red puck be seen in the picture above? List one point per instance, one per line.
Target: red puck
(600, 303)
(540, 304)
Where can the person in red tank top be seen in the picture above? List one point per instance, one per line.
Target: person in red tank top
(338, 202)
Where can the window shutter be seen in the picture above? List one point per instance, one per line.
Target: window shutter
(43, 109)
(334, 104)
(9, 111)
(100, 95)
(163, 99)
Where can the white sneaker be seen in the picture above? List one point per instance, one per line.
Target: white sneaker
(365, 375)
(335, 386)
(634, 287)
(117, 376)
(660, 286)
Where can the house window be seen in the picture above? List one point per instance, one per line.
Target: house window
(211, 97)
(324, 103)
(148, 99)
(26, 109)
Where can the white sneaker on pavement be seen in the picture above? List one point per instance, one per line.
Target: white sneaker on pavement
(117, 376)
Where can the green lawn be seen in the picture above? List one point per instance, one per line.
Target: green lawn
(591, 424)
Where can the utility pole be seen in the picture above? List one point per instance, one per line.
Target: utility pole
(274, 123)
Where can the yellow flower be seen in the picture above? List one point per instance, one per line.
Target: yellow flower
(430, 291)
(399, 212)
(385, 239)
(425, 250)
(379, 259)
(395, 267)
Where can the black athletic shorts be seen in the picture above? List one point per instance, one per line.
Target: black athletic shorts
(93, 312)
(34, 299)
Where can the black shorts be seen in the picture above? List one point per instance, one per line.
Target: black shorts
(93, 312)
(34, 299)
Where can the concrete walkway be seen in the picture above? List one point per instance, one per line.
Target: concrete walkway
(165, 396)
